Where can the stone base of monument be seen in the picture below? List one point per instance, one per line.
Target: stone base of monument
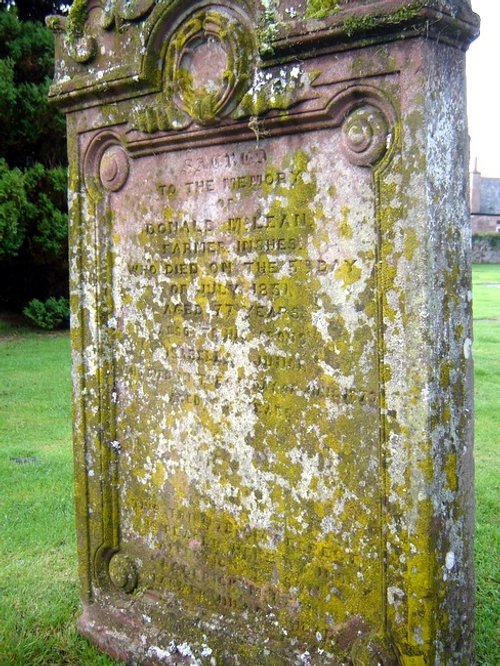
(130, 637)
(271, 329)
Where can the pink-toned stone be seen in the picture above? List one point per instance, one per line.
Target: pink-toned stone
(271, 329)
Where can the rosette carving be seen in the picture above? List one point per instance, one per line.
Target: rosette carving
(123, 572)
(365, 135)
(114, 168)
(106, 164)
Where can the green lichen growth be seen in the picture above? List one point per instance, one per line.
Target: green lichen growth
(268, 29)
(319, 9)
(76, 19)
(354, 24)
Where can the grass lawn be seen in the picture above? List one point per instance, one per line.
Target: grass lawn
(39, 598)
(38, 588)
(486, 280)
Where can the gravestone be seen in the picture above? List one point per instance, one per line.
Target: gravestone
(271, 328)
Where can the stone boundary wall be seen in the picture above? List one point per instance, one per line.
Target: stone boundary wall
(484, 224)
(486, 248)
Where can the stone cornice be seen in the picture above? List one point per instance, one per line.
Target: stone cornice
(104, 49)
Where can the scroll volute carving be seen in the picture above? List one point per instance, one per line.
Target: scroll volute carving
(365, 135)
(106, 165)
(115, 11)
(368, 122)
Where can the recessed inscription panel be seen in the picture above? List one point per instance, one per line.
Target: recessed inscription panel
(246, 385)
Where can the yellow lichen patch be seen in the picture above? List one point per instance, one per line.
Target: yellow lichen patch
(410, 244)
(451, 472)
(426, 466)
(421, 577)
(158, 476)
(344, 228)
(348, 272)
(444, 374)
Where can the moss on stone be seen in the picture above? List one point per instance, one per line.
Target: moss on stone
(354, 24)
(319, 9)
(77, 16)
(268, 29)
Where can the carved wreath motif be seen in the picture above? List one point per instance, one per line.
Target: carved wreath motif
(206, 100)
(197, 92)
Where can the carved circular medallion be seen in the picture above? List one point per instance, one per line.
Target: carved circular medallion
(364, 135)
(114, 168)
(123, 572)
(106, 164)
(208, 64)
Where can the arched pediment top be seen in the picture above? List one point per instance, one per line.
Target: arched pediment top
(112, 49)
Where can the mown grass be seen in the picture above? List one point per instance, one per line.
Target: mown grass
(486, 290)
(39, 600)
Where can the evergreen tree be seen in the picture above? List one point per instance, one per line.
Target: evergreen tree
(33, 209)
(34, 10)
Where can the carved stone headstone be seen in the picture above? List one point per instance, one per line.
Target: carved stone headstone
(271, 328)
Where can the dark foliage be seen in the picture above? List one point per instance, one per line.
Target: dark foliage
(33, 209)
(34, 10)
(54, 313)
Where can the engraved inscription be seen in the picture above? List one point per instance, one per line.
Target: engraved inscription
(246, 320)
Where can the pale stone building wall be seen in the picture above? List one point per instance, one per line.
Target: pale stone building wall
(485, 203)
